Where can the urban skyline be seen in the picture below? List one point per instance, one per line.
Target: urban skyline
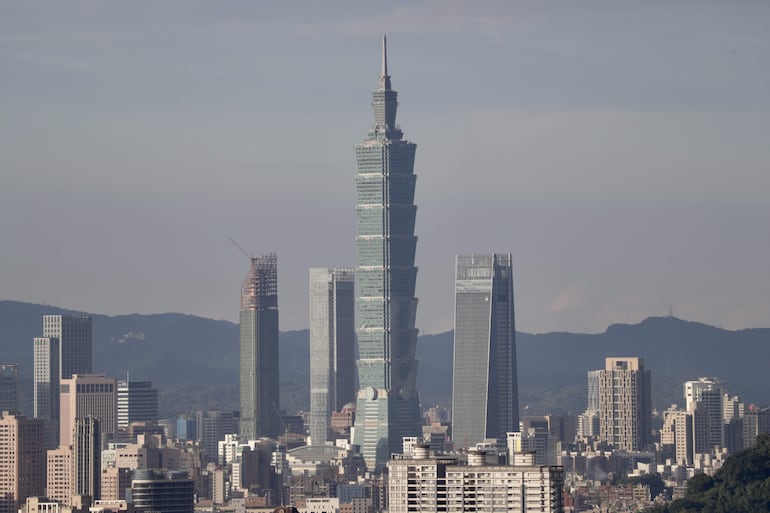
(632, 158)
(483, 459)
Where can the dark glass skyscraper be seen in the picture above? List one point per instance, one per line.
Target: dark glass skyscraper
(485, 395)
(259, 350)
(74, 334)
(387, 404)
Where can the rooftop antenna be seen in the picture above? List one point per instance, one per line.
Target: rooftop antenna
(384, 56)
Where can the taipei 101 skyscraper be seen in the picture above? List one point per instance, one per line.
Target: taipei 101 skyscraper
(387, 406)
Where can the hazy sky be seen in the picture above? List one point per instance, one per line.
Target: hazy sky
(619, 150)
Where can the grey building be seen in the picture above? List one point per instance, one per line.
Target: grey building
(485, 395)
(75, 342)
(137, 402)
(332, 346)
(46, 387)
(387, 401)
(9, 387)
(260, 402)
(212, 426)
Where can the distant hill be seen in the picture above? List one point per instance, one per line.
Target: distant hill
(194, 361)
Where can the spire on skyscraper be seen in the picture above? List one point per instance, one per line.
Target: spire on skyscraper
(385, 103)
(384, 77)
(387, 401)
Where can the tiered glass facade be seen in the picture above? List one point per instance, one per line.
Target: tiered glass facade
(485, 396)
(387, 404)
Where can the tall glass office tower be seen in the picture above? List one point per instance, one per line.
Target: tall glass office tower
(485, 395)
(259, 350)
(332, 346)
(64, 349)
(387, 406)
(74, 334)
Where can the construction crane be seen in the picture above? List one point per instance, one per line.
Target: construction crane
(239, 248)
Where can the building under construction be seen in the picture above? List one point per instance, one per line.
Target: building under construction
(260, 408)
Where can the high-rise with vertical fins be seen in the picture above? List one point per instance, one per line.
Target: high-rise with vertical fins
(387, 405)
(332, 346)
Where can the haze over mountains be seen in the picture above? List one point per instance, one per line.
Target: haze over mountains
(194, 361)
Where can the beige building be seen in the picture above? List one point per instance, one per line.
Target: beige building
(59, 475)
(676, 435)
(85, 395)
(115, 482)
(625, 404)
(22, 460)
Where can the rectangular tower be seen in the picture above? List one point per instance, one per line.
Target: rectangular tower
(332, 346)
(86, 457)
(625, 404)
(704, 401)
(485, 396)
(46, 387)
(9, 387)
(387, 401)
(260, 401)
(137, 402)
(22, 460)
(59, 475)
(90, 395)
(74, 334)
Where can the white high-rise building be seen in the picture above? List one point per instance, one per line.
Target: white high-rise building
(332, 346)
(46, 387)
(423, 483)
(704, 401)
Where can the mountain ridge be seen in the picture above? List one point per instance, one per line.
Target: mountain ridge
(551, 366)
